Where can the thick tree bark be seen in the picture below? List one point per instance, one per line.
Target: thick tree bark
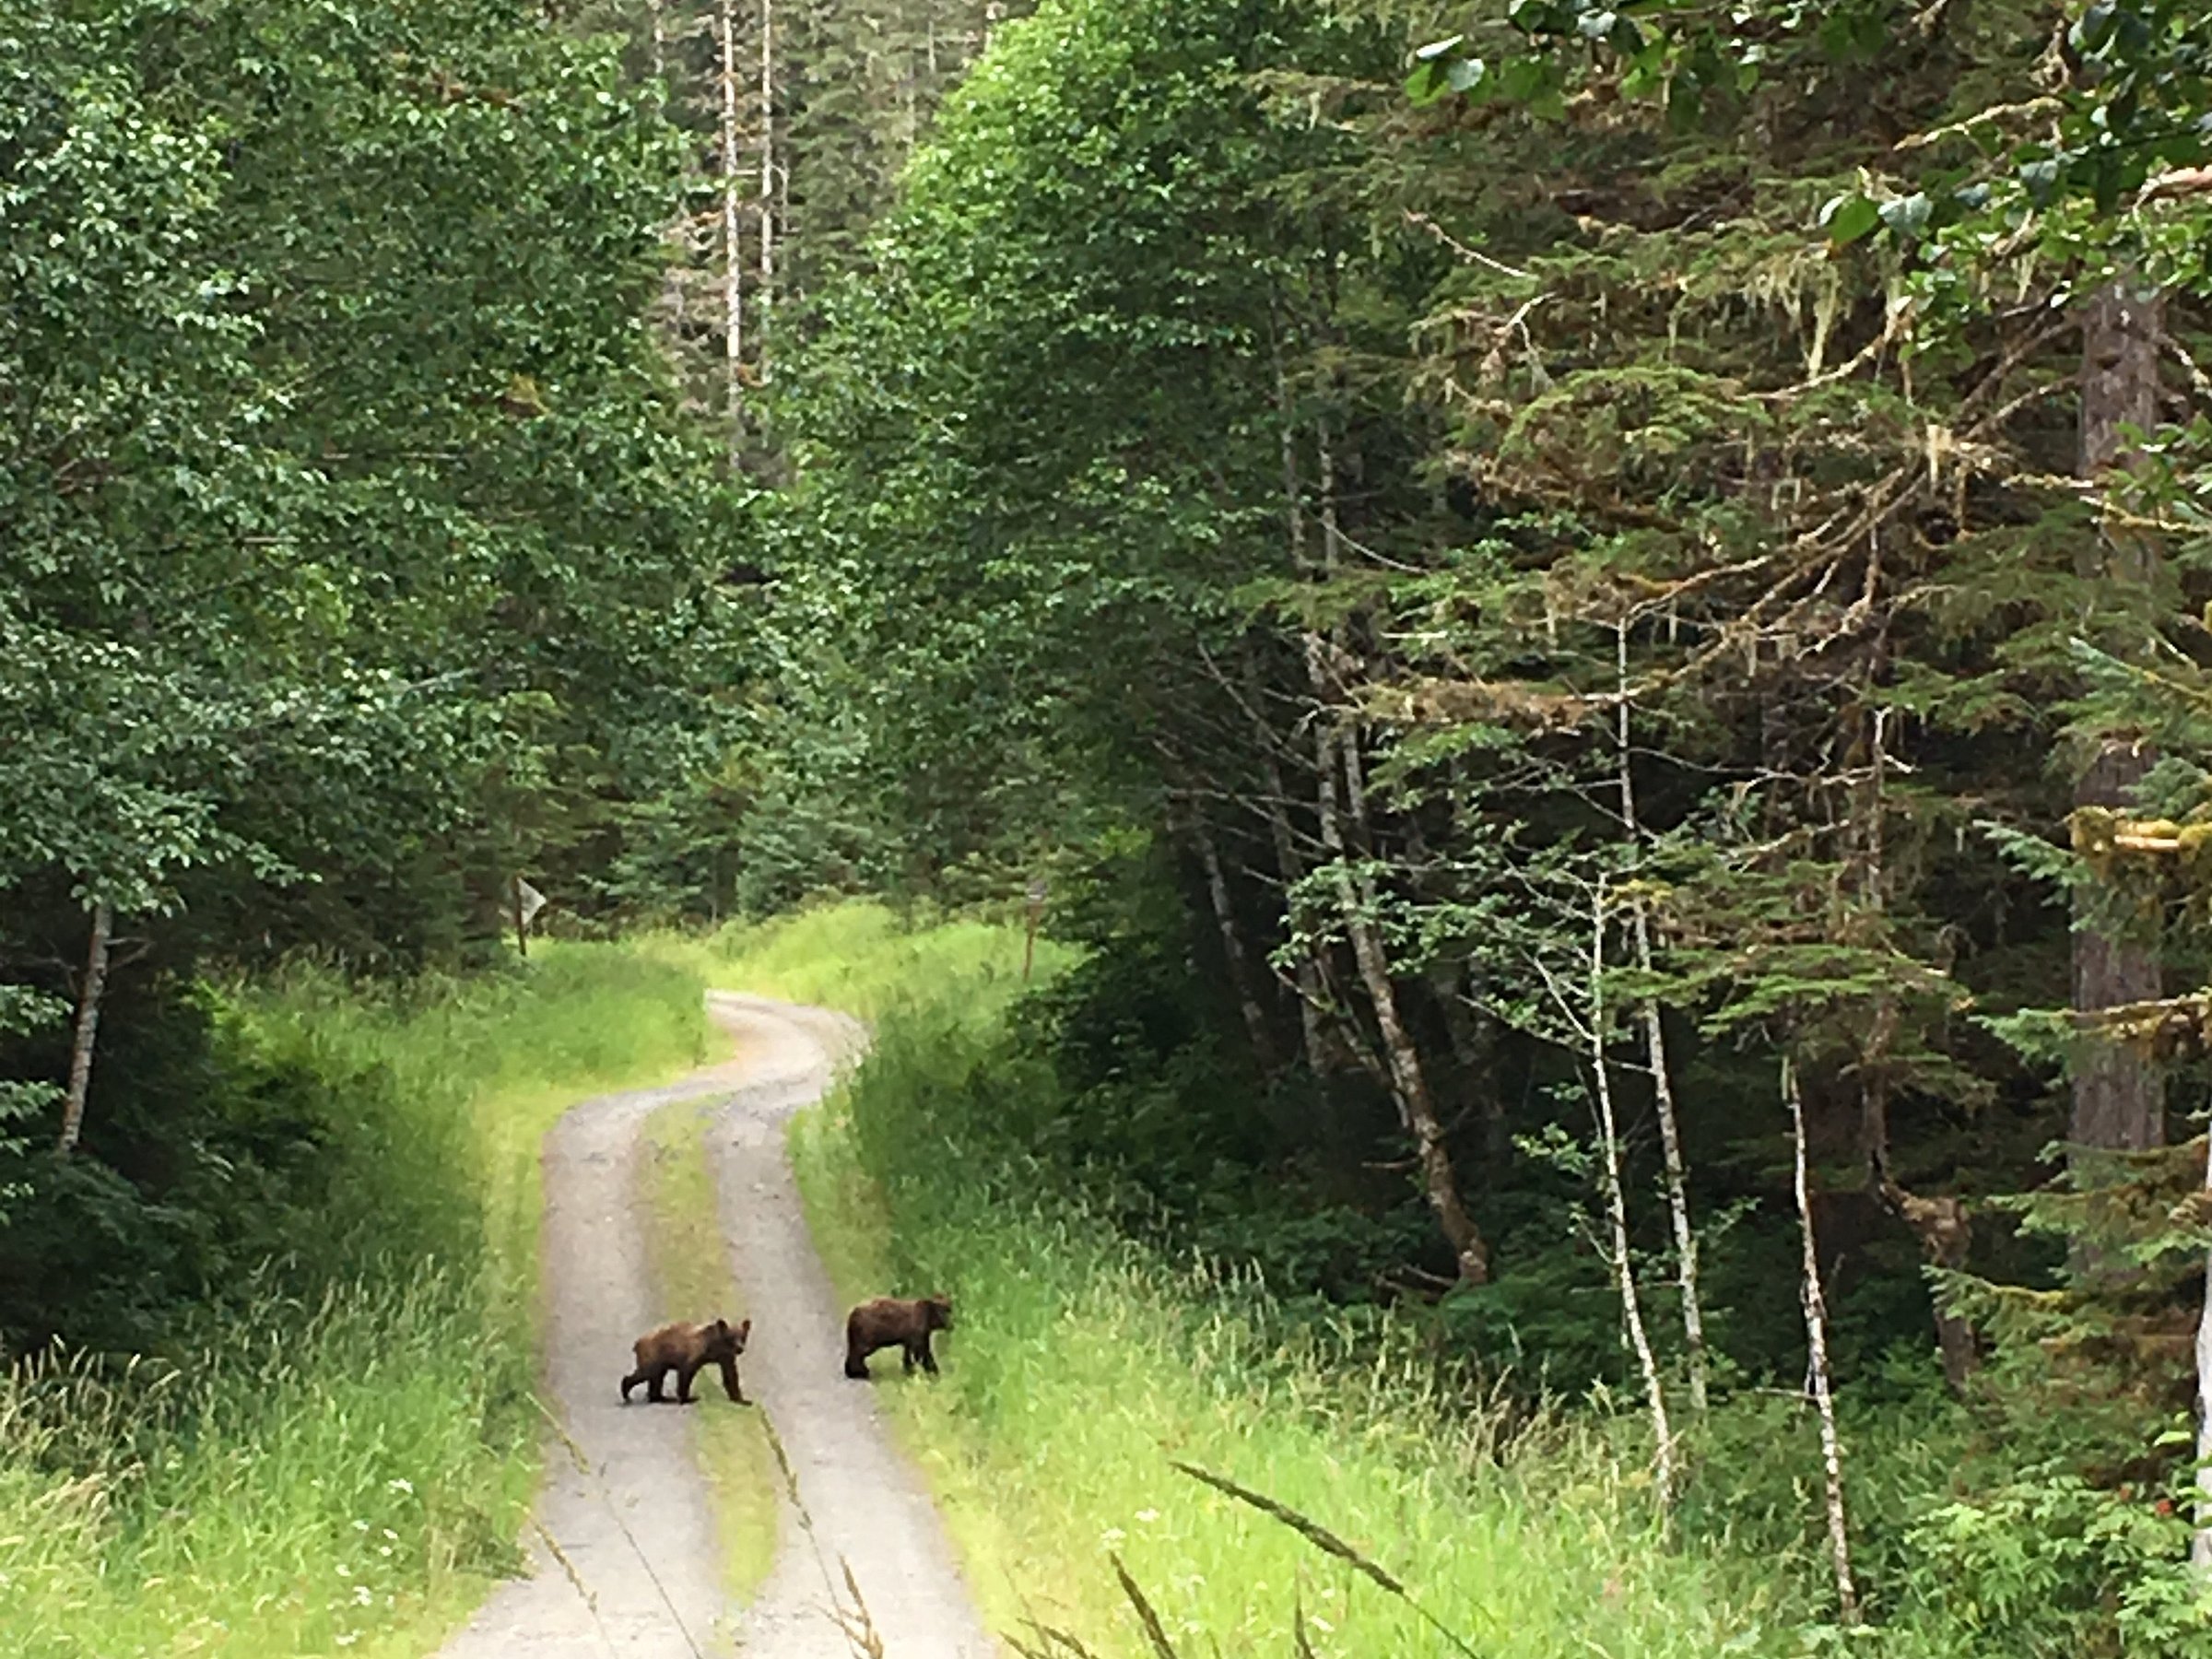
(1816, 1337)
(1617, 1209)
(87, 1031)
(2119, 1098)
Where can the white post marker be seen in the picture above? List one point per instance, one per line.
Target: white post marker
(528, 902)
(1037, 890)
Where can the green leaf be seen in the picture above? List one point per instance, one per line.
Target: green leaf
(1846, 218)
(1907, 215)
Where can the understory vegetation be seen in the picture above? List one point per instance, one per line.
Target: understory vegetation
(1099, 1365)
(331, 1442)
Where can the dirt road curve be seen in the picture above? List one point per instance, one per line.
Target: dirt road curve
(623, 1556)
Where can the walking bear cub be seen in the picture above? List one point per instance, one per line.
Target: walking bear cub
(686, 1349)
(888, 1321)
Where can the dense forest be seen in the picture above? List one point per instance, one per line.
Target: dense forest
(1588, 620)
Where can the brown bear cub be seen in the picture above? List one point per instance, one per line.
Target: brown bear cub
(890, 1321)
(686, 1349)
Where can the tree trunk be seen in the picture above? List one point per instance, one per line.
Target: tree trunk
(1816, 1337)
(86, 1032)
(660, 40)
(1655, 1057)
(1617, 1209)
(1940, 1223)
(1473, 1033)
(1338, 753)
(2200, 1546)
(1409, 1082)
(2119, 1097)
(768, 183)
(1232, 948)
(732, 255)
(1322, 1053)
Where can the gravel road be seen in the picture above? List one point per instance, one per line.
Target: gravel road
(623, 1556)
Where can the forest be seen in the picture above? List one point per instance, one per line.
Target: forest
(1503, 711)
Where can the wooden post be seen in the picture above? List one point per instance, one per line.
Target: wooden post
(1037, 889)
(522, 925)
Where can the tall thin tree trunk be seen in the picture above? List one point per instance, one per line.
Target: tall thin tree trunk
(1816, 1337)
(1305, 973)
(2200, 1546)
(86, 1032)
(1232, 945)
(733, 253)
(768, 183)
(1656, 1056)
(1617, 1208)
(659, 39)
(1321, 1051)
(1338, 754)
(1409, 1081)
(2119, 1097)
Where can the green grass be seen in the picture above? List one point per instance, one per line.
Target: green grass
(337, 1470)
(691, 1275)
(1080, 1370)
(862, 958)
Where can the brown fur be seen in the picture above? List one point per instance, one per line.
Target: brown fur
(686, 1349)
(888, 1321)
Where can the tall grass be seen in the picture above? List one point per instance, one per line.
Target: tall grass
(1082, 1372)
(339, 1459)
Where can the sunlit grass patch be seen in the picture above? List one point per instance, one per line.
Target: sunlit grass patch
(864, 958)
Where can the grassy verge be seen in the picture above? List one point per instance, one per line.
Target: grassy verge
(862, 959)
(1082, 1372)
(691, 1272)
(342, 1457)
